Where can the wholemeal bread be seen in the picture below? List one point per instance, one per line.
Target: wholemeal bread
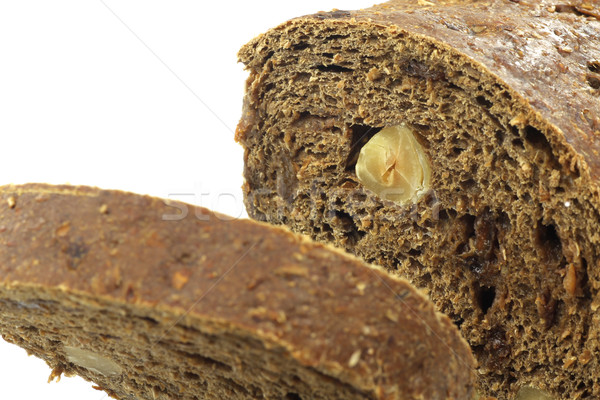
(152, 299)
(455, 143)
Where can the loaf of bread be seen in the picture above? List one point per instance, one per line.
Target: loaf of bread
(456, 143)
(151, 299)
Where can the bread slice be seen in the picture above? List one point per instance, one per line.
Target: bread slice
(152, 299)
(490, 202)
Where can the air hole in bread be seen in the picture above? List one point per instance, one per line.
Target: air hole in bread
(518, 143)
(549, 243)
(334, 37)
(500, 136)
(482, 101)
(467, 184)
(457, 151)
(547, 307)
(467, 224)
(443, 215)
(593, 80)
(333, 68)
(301, 46)
(577, 10)
(539, 142)
(497, 347)
(514, 130)
(415, 252)
(537, 139)
(565, 8)
(190, 376)
(585, 284)
(488, 227)
(343, 223)
(361, 134)
(486, 297)
(421, 70)
(200, 360)
(459, 322)
(150, 320)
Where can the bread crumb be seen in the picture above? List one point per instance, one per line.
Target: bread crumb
(570, 280)
(12, 202)
(55, 374)
(180, 279)
(362, 111)
(564, 49)
(585, 357)
(298, 256)
(292, 270)
(281, 317)
(63, 230)
(373, 74)
(518, 121)
(554, 178)
(526, 168)
(565, 335)
(361, 287)
(392, 316)
(569, 362)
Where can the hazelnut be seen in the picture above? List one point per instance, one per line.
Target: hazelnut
(92, 361)
(394, 166)
(532, 393)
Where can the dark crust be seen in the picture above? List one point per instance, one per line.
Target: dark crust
(547, 54)
(118, 248)
(540, 50)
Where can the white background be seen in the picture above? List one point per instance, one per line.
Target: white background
(142, 96)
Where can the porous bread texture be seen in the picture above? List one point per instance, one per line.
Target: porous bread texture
(149, 303)
(161, 357)
(506, 243)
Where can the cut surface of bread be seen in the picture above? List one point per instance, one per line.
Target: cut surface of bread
(152, 299)
(503, 101)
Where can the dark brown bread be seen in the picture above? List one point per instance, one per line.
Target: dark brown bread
(158, 300)
(504, 97)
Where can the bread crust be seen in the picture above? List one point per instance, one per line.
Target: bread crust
(310, 305)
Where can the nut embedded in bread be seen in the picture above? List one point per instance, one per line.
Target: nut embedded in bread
(100, 284)
(503, 100)
(392, 164)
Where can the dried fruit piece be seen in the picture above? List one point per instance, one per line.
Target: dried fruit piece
(393, 164)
